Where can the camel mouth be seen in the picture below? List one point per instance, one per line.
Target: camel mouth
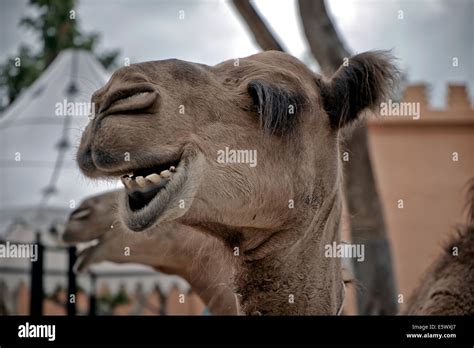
(144, 184)
(160, 193)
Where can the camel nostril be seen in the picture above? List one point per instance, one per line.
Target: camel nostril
(129, 99)
(80, 213)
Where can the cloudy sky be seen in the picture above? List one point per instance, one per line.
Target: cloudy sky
(430, 34)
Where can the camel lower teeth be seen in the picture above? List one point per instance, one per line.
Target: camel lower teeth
(127, 181)
(132, 182)
(154, 178)
(165, 174)
(140, 181)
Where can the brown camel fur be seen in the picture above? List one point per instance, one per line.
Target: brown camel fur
(447, 288)
(173, 118)
(176, 249)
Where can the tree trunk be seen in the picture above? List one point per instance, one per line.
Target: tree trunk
(367, 226)
(324, 42)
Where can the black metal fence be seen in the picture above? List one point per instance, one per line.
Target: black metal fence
(37, 273)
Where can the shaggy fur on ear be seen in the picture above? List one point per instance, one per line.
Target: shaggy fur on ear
(364, 83)
(277, 107)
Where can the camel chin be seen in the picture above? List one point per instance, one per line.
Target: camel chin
(161, 193)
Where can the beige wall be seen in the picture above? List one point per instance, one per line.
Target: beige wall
(413, 161)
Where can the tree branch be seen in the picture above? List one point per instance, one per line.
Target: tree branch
(257, 26)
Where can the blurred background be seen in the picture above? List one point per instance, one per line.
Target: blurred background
(54, 51)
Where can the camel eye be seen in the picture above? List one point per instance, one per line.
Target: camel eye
(276, 107)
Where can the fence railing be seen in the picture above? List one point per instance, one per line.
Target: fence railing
(38, 272)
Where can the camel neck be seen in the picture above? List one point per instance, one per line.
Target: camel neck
(298, 280)
(217, 294)
(212, 282)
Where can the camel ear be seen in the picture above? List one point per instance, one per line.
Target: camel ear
(363, 83)
(277, 107)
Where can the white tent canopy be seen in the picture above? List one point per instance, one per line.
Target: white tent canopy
(36, 192)
(40, 181)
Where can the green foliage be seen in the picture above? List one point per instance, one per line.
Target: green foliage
(57, 29)
(13, 78)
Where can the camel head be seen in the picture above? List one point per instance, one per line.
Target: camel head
(94, 216)
(246, 149)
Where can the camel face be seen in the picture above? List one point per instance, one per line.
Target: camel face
(247, 145)
(91, 219)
